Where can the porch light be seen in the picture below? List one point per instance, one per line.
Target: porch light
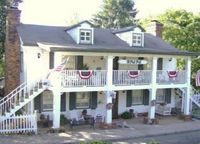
(170, 59)
(102, 58)
(38, 55)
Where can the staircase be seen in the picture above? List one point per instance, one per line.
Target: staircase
(195, 98)
(18, 98)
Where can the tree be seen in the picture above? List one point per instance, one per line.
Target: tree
(3, 5)
(115, 14)
(2, 26)
(182, 30)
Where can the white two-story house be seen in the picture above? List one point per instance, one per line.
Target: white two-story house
(107, 72)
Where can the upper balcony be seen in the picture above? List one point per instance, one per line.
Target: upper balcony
(98, 78)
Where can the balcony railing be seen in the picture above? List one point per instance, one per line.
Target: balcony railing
(131, 77)
(74, 78)
(98, 78)
(171, 77)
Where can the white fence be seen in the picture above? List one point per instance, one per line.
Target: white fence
(19, 124)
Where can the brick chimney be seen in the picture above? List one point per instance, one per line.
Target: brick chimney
(155, 28)
(12, 50)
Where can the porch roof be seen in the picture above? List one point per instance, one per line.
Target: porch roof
(104, 41)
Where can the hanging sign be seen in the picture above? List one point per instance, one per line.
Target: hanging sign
(132, 61)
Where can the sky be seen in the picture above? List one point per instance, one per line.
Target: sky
(63, 12)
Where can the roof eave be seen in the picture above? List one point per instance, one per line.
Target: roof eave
(77, 49)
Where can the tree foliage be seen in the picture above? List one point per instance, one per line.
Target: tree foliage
(2, 26)
(115, 14)
(3, 4)
(182, 30)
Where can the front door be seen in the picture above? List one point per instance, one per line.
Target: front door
(115, 106)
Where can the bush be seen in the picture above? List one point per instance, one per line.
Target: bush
(126, 115)
(153, 142)
(63, 120)
(96, 142)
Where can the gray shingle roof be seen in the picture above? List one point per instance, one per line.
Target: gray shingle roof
(104, 41)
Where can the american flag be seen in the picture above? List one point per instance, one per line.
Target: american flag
(59, 68)
(198, 78)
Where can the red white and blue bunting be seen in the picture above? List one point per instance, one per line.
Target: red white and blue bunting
(85, 74)
(198, 78)
(172, 74)
(133, 73)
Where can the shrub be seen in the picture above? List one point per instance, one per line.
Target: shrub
(96, 142)
(63, 120)
(152, 142)
(126, 115)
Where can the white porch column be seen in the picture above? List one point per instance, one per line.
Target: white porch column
(151, 114)
(56, 102)
(187, 94)
(108, 119)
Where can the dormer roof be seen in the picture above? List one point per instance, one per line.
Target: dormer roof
(126, 29)
(79, 24)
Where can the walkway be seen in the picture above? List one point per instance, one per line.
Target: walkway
(136, 129)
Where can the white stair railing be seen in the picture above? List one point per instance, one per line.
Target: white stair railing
(195, 97)
(19, 97)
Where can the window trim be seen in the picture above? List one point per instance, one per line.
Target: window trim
(137, 35)
(85, 36)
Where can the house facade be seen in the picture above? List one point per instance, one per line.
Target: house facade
(106, 72)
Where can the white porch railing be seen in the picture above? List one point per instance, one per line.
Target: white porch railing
(124, 77)
(72, 78)
(19, 124)
(175, 77)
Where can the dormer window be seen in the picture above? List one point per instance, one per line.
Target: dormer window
(137, 39)
(85, 36)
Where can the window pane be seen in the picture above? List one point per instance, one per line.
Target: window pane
(137, 97)
(82, 38)
(88, 38)
(82, 33)
(87, 33)
(82, 100)
(47, 100)
(160, 96)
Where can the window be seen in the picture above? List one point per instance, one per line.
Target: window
(85, 36)
(137, 97)
(137, 39)
(82, 100)
(47, 101)
(160, 96)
